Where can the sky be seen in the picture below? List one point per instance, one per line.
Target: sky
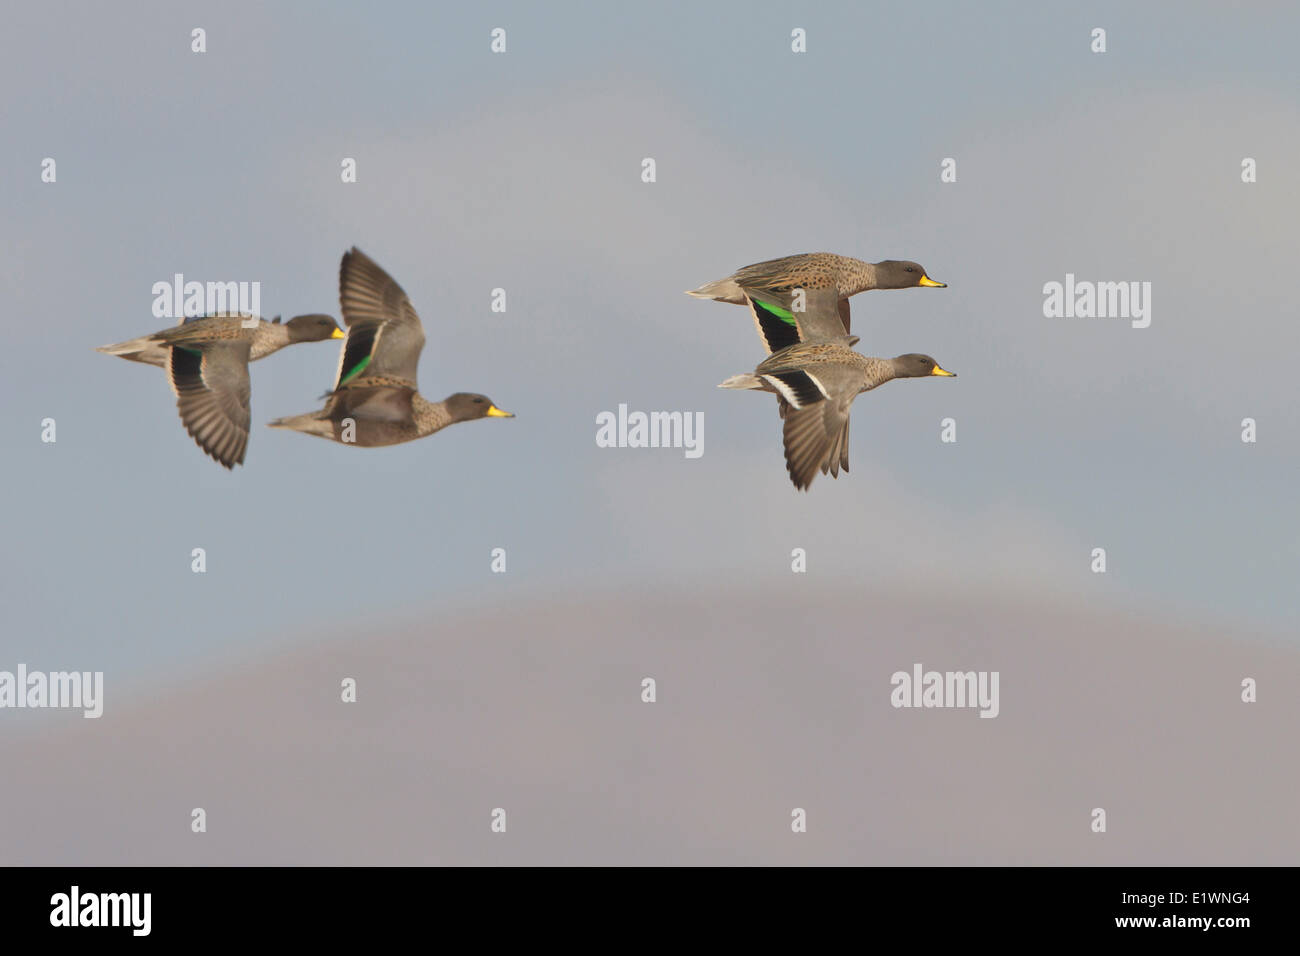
(522, 171)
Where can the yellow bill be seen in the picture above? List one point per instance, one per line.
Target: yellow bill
(927, 281)
(338, 334)
(494, 412)
(941, 371)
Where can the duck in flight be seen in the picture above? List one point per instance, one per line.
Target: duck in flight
(206, 358)
(815, 374)
(819, 271)
(375, 400)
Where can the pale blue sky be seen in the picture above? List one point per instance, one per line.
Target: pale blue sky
(522, 171)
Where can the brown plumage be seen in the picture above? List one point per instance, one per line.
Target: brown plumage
(374, 401)
(206, 358)
(815, 381)
(266, 337)
(816, 271)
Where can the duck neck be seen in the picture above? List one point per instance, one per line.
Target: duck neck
(879, 371)
(861, 277)
(269, 338)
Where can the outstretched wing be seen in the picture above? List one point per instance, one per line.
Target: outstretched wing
(776, 324)
(816, 438)
(385, 336)
(784, 318)
(212, 396)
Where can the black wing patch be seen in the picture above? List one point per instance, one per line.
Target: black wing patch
(361, 341)
(186, 368)
(778, 331)
(800, 388)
